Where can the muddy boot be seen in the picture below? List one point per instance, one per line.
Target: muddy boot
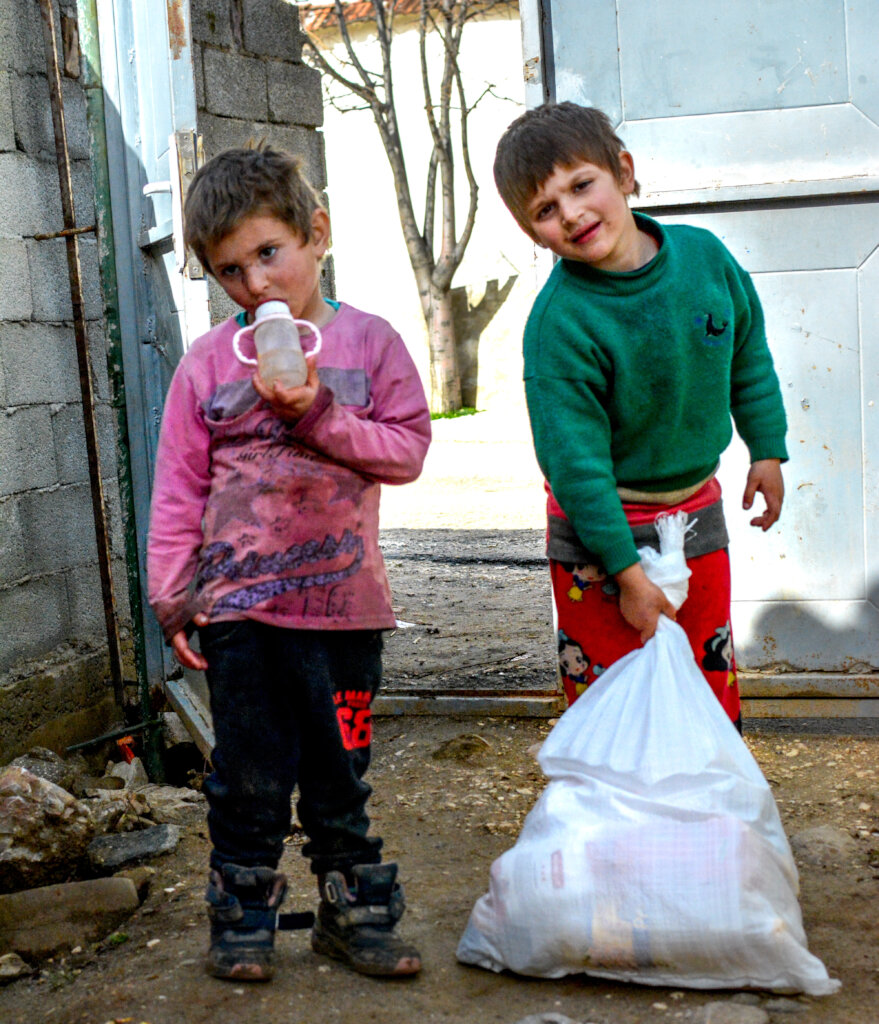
(243, 909)
(356, 925)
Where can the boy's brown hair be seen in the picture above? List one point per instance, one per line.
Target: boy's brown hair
(239, 183)
(544, 138)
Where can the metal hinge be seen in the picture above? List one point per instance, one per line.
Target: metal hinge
(187, 153)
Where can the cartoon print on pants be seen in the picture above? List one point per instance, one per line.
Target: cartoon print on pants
(573, 663)
(719, 653)
(583, 577)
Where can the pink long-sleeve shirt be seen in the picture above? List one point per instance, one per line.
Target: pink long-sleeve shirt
(253, 517)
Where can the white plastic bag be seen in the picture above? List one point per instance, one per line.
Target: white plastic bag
(656, 853)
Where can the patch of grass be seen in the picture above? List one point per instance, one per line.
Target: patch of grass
(454, 414)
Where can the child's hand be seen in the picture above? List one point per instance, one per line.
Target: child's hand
(187, 657)
(765, 476)
(290, 404)
(642, 602)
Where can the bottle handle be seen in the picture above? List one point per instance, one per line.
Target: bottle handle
(318, 338)
(236, 346)
(236, 342)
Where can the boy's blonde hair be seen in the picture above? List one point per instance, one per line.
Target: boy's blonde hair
(550, 136)
(238, 183)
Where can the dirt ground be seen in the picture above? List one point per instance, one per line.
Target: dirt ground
(474, 594)
(445, 820)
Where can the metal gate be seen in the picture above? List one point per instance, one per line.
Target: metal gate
(150, 116)
(760, 121)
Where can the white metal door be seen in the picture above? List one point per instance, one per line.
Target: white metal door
(758, 119)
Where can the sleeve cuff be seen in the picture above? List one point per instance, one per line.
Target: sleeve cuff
(770, 447)
(620, 556)
(322, 401)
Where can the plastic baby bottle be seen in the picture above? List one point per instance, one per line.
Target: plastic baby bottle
(279, 354)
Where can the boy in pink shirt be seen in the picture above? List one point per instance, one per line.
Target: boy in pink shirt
(264, 537)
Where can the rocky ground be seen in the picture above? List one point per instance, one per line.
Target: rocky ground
(451, 794)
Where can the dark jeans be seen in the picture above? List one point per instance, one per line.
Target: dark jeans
(290, 707)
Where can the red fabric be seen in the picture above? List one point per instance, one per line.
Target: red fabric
(593, 634)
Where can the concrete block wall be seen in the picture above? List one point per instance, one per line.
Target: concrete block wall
(52, 631)
(251, 84)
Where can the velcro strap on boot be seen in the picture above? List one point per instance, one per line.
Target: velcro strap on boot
(294, 921)
(249, 877)
(223, 907)
(354, 916)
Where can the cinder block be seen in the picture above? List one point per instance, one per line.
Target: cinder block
(70, 450)
(198, 75)
(98, 348)
(58, 528)
(271, 29)
(53, 706)
(50, 279)
(21, 36)
(7, 123)
(70, 444)
(30, 202)
(235, 86)
(211, 22)
(36, 616)
(224, 132)
(328, 278)
(26, 444)
(86, 597)
(295, 95)
(75, 119)
(33, 115)
(222, 307)
(116, 524)
(106, 419)
(85, 593)
(40, 363)
(119, 572)
(86, 602)
(13, 564)
(83, 193)
(32, 109)
(16, 302)
(89, 264)
(219, 133)
(307, 143)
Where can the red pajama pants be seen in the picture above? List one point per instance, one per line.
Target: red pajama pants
(592, 634)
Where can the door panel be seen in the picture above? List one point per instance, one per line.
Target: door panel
(730, 57)
(758, 120)
(149, 95)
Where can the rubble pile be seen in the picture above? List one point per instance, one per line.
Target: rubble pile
(63, 831)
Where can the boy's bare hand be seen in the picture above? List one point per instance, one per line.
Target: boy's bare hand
(187, 657)
(642, 602)
(765, 476)
(290, 404)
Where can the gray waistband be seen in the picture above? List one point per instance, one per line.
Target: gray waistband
(708, 534)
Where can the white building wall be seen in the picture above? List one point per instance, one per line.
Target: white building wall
(372, 267)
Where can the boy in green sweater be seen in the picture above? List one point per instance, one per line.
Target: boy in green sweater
(643, 342)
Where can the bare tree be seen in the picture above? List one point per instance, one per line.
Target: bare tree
(434, 258)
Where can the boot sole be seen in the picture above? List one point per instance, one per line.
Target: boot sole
(241, 972)
(404, 967)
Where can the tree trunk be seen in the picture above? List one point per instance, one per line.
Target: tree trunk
(445, 384)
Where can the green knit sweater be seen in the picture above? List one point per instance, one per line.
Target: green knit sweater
(631, 379)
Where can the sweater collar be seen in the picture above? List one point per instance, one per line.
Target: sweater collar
(624, 280)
